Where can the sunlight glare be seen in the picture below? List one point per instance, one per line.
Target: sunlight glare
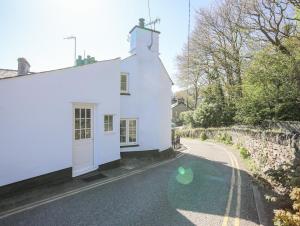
(185, 176)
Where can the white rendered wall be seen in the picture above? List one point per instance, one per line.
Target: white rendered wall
(36, 118)
(165, 108)
(142, 39)
(150, 94)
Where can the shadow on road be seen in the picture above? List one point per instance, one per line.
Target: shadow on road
(188, 191)
(202, 186)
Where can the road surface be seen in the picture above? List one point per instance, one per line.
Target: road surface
(204, 186)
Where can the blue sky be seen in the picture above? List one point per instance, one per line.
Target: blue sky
(35, 29)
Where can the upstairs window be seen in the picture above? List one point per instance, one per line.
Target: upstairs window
(124, 83)
(108, 123)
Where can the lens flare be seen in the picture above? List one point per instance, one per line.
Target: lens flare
(181, 170)
(185, 176)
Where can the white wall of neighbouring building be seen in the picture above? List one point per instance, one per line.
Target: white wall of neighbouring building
(36, 118)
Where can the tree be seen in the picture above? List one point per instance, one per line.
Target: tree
(270, 21)
(244, 63)
(187, 118)
(208, 115)
(269, 89)
(190, 78)
(295, 3)
(223, 44)
(217, 49)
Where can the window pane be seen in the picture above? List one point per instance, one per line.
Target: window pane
(123, 86)
(132, 131)
(82, 123)
(88, 133)
(123, 83)
(82, 113)
(77, 124)
(108, 123)
(123, 123)
(77, 134)
(132, 138)
(122, 131)
(111, 123)
(123, 78)
(122, 139)
(132, 123)
(88, 113)
(82, 134)
(88, 123)
(77, 113)
(105, 127)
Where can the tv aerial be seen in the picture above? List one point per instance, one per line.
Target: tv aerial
(154, 22)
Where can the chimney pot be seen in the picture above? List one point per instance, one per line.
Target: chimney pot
(142, 22)
(23, 66)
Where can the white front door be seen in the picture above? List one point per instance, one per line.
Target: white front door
(83, 143)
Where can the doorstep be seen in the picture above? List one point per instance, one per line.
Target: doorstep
(46, 191)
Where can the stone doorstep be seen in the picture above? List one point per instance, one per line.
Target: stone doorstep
(46, 186)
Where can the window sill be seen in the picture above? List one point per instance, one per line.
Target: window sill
(129, 146)
(109, 132)
(125, 94)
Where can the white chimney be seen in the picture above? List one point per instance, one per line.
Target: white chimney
(143, 39)
(23, 66)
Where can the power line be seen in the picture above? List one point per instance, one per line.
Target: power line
(188, 50)
(149, 12)
(189, 30)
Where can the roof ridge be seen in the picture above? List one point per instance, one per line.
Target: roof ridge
(5, 69)
(41, 72)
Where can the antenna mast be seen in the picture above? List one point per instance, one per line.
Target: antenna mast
(75, 46)
(154, 22)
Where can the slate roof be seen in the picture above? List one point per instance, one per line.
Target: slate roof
(178, 103)
(8, 73)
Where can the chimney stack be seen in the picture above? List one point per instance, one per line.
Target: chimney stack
(142, 22)
(23, 66)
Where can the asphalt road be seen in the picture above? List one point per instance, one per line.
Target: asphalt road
(202, 187)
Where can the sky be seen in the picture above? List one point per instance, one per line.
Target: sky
(35, 29)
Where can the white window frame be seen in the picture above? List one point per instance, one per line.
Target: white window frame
(127, 83)
(112, 126)
(84, 128)
(127, 132)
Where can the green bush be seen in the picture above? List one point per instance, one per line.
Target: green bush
(187, 118)
(238, 145)
(203, 136)
(244, 153)
(207, 115)
(224, 138)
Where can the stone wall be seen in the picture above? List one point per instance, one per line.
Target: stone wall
(276, 154)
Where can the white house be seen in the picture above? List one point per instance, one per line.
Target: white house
(79, 118)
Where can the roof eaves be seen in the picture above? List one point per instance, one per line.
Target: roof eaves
(166, 70)
(136, 26)
(42, 72)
